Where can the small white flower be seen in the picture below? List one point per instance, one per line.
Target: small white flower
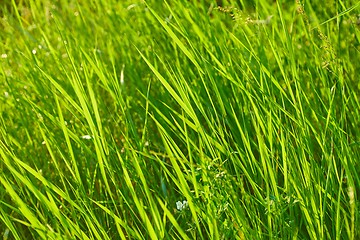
(181, 205)
(43, 143)
(33, 51)
(178, 205)
(4, 55)
(86, 137)
(6, 94)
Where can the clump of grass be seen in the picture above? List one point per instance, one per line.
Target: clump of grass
(179, 120)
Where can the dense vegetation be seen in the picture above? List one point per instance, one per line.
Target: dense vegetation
(179, 120)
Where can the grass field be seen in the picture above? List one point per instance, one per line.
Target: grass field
(179, 119)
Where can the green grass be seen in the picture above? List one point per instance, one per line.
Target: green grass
(113, 111)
